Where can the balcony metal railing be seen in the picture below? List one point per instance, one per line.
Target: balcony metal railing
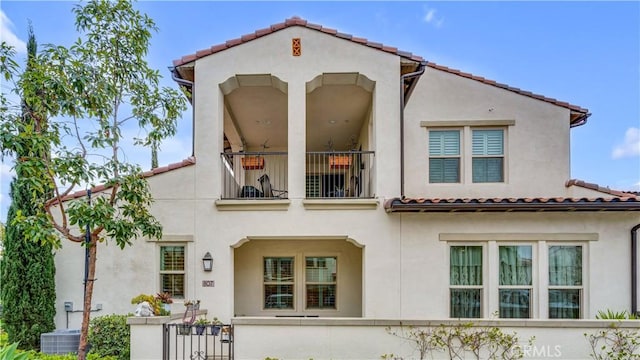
(329, 175)
(334, 174)
(254, 175)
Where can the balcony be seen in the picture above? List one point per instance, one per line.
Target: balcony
(339, 174)
(254, 175)
(329, 175)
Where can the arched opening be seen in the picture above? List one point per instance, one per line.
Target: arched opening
(339, 135)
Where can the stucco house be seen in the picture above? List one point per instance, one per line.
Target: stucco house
(338, 183)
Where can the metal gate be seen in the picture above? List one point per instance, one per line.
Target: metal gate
(197, 342)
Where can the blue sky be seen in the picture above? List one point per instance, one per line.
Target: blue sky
(585, 53)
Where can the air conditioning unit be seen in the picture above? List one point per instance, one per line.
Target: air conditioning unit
(60, 341)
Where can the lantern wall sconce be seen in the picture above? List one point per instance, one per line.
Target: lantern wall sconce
(207, 262)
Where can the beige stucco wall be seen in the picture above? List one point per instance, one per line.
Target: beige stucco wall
(369, 339)
(536, 146)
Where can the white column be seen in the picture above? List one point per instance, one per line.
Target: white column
(296, 138)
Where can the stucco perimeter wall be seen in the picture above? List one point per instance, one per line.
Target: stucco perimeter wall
(259, 338)
(321, 53)
(536, 141)
(124, 274)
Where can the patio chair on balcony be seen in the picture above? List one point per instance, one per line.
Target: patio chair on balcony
(267, 190)
(354, 187)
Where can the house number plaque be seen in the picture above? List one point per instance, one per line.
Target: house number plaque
(208, 283)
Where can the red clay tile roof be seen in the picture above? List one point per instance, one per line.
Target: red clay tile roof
(630, 203)
(159, 170)
(294, 21)
(596, 187)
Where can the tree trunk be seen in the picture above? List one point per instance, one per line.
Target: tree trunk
(86, 310)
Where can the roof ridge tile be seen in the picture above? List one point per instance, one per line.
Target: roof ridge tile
(297, 21)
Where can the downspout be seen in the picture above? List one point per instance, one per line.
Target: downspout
(634, 269)
(188, 84)
(403, 98)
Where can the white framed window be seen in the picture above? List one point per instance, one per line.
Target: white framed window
(466, 281)
(279, 283)
(515, 279)
(444, 156)
(172, 270)
(321, 279)
(565, 281)
(467, 151)
(487, 155)
(515, 285)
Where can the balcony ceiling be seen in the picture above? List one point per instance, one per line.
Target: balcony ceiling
(336, 111)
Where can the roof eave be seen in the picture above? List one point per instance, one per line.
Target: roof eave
(397, 205)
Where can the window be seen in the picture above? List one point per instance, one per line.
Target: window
(565, 282)
(488, 156)
(515, 285)
(172, 270)
(504, 277)
(278, 282)
(320, 277)
(465, 281)
(444, 156)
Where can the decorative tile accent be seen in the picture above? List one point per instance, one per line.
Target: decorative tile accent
(296, 47)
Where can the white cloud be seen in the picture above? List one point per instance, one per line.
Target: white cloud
(430, 17)
(7, 35)
(630, 146)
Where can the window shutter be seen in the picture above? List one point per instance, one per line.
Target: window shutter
(444, 143)
(313, 186)
(444, 170)
(487, 170)
(436, 170)
(494, 169)
(488, 142)
(479, 166)
(172, 258)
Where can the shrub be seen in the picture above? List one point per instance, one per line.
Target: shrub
(614, 315)
(461, 341)
(109, 336)
(11, 352)
(32, 355)
(614, 343)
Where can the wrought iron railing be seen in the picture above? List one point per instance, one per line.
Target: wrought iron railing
(254, 175)
(329, 175)
(339, 174)
(197, 342)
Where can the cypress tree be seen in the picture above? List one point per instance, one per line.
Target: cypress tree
(28, 270)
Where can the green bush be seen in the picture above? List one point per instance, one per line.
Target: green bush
(32, 355)
(11, 352)
(614, 315)
(109, 336)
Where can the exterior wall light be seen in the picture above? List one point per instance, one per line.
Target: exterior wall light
(207, 262)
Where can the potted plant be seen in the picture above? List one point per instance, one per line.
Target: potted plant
(215, 326)
(165, 301)
(227, 334)
(192, 304)
(201, 325)
(183, 329)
